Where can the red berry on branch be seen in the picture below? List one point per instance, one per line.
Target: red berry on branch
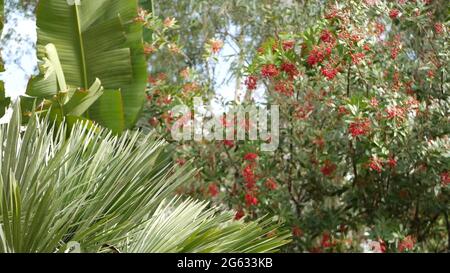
(213, 190)
(239, 214)
(328, 168)
(251, 82)
(271, 184)
(359, 128)
(394, 13)
(269, 71)
(376, 164)
(445, 179)
(288, 45)
(250, 200)
(297, 232)
(250, 156)
(406, 244)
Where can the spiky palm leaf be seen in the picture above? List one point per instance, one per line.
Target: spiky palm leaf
(190, 227)
(92, 187)
(95, 188)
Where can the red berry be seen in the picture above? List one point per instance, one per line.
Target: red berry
(213, 189)
(251, 82)
(394, 13)
(269, 71)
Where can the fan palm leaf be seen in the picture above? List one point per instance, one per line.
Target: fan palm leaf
(190, 226)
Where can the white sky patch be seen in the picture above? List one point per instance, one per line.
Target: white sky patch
(18, 51)
(226, 87)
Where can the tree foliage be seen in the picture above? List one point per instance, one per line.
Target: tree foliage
(363, 157)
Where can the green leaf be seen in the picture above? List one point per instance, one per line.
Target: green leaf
(81, 100)
(52, 79)
(109, 111)
(4, 102)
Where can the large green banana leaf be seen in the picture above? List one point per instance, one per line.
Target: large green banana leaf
(96, 39)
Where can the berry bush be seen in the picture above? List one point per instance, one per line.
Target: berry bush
(363, 161)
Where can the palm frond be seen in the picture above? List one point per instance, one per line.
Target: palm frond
(91, 188)
(190, 226)
(95, 188)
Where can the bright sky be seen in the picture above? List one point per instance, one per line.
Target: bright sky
(20, 61)
(20, 57)
(227, 89)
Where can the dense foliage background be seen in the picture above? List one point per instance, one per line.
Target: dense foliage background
(363, 87)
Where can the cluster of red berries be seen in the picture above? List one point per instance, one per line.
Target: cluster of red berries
(271, 184)
(406, 244)
(329, 72)
(285, 88)
(327, 241)
(269, 71)
(445, 178)
(319, 54)
(328, 168)
(376, 164)
(394, 13)
(288, 45)
(274, 72)
(213, 189)
(439, 28)
(359, 127)
(290, 69)
(251, 82)
(395, 112)
(316, 56)
(250, 179)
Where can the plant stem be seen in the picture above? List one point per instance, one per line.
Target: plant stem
(447, 222)
(348, 80)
